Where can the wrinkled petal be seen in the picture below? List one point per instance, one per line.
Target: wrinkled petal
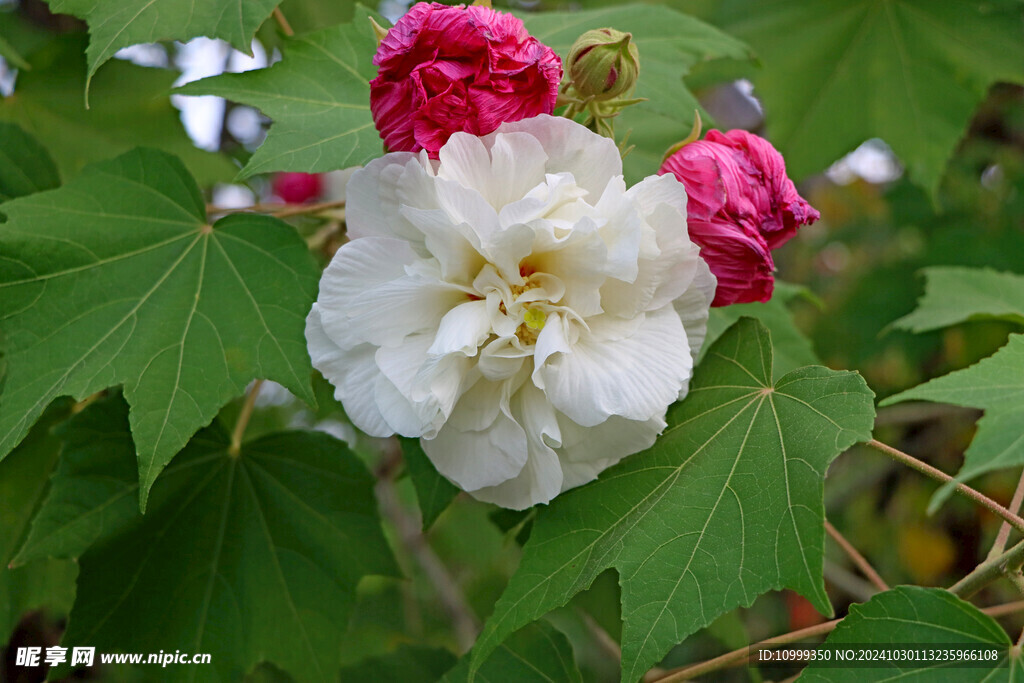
(592, 159)
(351, 371)
(635, 377)
(588, 451)
(741, 206)
(366, 296)
(443, 70)
(477, 459)
(540, 479)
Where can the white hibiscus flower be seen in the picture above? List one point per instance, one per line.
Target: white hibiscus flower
(513, 305)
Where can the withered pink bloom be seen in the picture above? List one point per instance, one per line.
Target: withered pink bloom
(448, 69)
(741, 205)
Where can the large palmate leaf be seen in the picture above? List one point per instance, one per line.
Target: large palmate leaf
(914, 617)
(117, 278)
(727, 505)
(318, 96)
(912, 72)
(249, 558)
(536, 653)
(955, 295)
(129, 107)
(670, 44)
(996, 385)
(25, 165)
(23, 479)
(114, 24)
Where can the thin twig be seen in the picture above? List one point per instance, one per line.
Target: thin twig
(286, 28)
(987, 572)
(862, 564)
(742, 654)
(1004, 529)
(464, 621)
(243, 419)
(604, 640)
(278, 210)
(299, 209)
(737, 657)
(939, 475)
(997, 611)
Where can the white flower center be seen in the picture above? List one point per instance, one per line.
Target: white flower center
(520, 308)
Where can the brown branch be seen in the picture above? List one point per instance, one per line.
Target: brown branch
(286, 28)
(862, 564)
(738, 657)
(235, 449)
(741, 655)
(278, 210)
(410, 535)
(926, 469)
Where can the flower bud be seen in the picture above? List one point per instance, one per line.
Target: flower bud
(604, 64)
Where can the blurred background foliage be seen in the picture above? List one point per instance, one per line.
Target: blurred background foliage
(880, 226)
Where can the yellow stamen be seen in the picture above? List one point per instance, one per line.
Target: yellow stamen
(535, 318)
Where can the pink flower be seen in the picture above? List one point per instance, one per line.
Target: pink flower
(740, 206)
(447, 69)
(296, 188)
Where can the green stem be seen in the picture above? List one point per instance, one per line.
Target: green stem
(987, 572)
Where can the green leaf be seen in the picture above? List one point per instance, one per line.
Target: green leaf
(996, 385)
(912, 72)
(670, 44)
(249, 558)
(318, 96)
(955, 295)
(93, 493)
(114, 24)
(23, 479)
(790, 348)
(129, 107)
(25, 165)
(408, 664)
(116, 278)
(433, 491)
(536, 653)
(915, 616)
(725, 506)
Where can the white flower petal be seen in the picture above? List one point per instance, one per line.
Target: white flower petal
(518, 163)
(455, 246)
(366, 295)
(591, 158)
(373, 197)
(502, 358)
(540, 479)
(462, 329)
(693, 307)
(634, 377)
(477, 459)
(431, 386)
(534, 484)
(351, 371)
(588, 451)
